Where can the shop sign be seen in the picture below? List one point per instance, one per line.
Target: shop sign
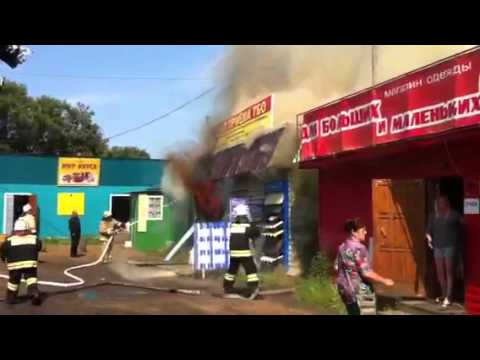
(78, 172)
(433, 100)
(238, 128)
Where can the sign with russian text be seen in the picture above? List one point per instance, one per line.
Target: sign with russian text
(211, 246)
(433, 100)
(237, 129)
(471, 206)
(78, 172)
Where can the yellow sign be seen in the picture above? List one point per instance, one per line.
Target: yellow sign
(68, 202)
(238, 128)
(78, 172)
(142, 213)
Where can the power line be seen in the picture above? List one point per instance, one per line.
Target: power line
(164, 115)
(108, 77)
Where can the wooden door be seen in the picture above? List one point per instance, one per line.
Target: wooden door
(32, 200)
(399, 235)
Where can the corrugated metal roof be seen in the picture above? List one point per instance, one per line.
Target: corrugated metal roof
(240, 160)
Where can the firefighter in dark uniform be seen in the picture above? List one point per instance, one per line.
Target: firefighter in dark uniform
(20, 251)
(241, 232)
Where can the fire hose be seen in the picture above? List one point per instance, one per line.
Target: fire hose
(79, 283)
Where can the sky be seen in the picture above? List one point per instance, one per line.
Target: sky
(120, 104)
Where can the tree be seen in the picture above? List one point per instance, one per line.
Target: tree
(47, 125)
(128, 152)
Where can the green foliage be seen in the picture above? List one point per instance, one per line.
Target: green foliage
(128, 152)
(271, 280)
(318, 290)
(49, 126)
(320, 294)
(320, 267)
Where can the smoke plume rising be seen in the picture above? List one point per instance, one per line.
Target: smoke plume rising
(302, 77)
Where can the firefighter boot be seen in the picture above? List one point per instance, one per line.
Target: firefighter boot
(12, 297)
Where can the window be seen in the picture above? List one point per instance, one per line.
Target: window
(155, 207)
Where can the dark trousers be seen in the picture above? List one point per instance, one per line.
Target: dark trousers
(14, 279)
(250, 269)
(74, 245)
(353, 309)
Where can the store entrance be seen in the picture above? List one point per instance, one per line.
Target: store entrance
(453, 189)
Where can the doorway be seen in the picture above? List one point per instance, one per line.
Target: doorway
(453, 188)
(120, 207)
(13, 208)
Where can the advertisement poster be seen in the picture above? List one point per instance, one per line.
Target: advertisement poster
(237, 129)
(78, 172)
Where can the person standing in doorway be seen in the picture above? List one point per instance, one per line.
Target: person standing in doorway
(445, 236)
(75, 233)
(29, 219)
(353, 269)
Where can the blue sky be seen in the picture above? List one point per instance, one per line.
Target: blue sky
(122, 104)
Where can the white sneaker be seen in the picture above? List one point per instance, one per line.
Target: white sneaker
(446, 303)
(438, 300)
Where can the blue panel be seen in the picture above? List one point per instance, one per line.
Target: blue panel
(282, 186)
(42, 170)
(124, 172)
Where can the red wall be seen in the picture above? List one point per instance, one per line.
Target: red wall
(342, 197)
(472, 251)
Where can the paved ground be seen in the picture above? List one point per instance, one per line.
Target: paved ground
(113, 300)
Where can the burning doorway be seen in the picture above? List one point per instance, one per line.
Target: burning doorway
(120, 206)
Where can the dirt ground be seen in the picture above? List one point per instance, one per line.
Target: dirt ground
(114, 300)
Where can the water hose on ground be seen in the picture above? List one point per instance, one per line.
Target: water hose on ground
(79, 283)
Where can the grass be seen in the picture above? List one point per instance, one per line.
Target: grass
(317, 291)
(273, 280)
(91, 240)
(319, 294)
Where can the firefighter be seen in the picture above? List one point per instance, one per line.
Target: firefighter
(20, 252)
(108, 227)
(241, 233)
(29, 218)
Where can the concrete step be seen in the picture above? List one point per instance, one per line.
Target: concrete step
(426, 307)
(369, 311)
